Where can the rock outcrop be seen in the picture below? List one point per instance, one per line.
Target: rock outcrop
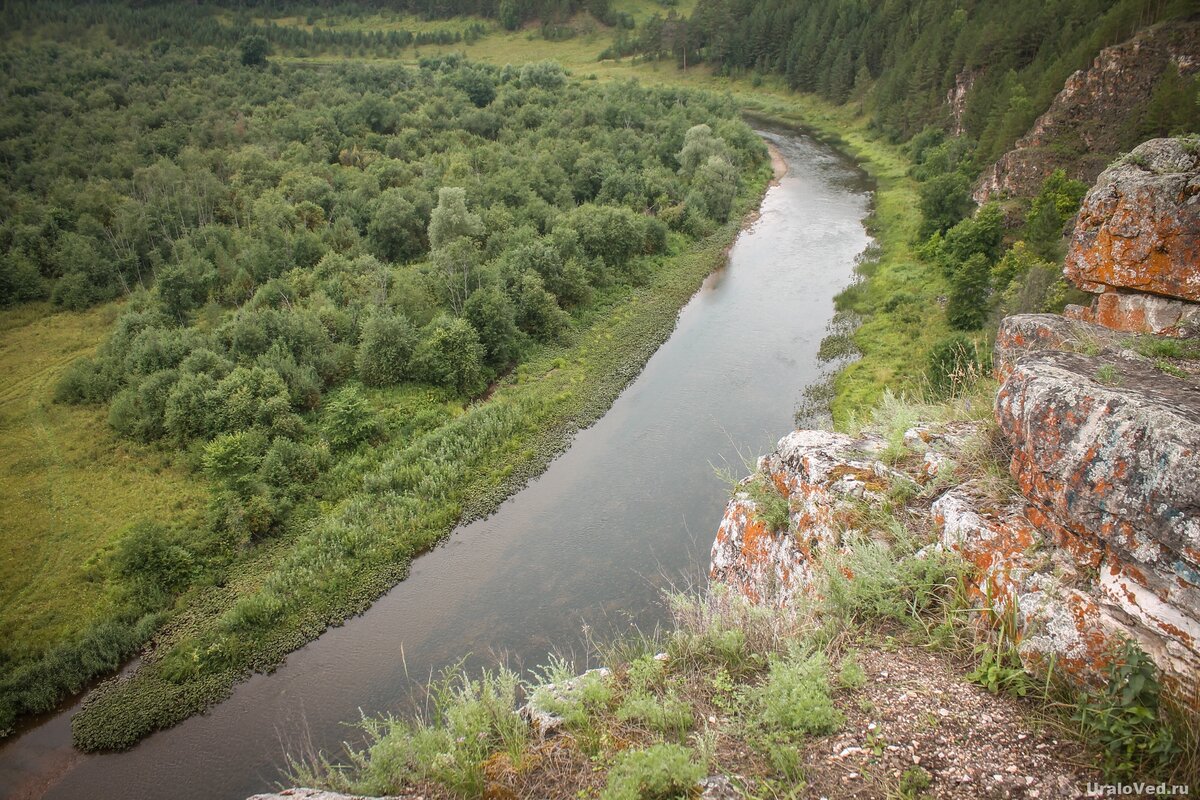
(1085, 126)
(1139, 226)
(821, 475)
(1100, 544)
(1106, 451)
(1137, 241)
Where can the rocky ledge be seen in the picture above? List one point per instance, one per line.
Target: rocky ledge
(1100, 543)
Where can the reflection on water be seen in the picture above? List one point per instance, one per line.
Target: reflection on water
(630, 508)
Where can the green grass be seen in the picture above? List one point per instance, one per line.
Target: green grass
(69, 486)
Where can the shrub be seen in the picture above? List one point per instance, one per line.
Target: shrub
(386, 350)
(795, 699)
(667, 714)
(88, 380)
(150, 558)
(450, 355)
(714, 188)
(494, 317)
(349, 420)
(1122, 719)
(660, 772)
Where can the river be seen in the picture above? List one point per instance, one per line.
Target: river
(630, 508)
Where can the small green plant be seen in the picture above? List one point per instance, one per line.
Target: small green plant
(770, 505)
(795, 699)
(1169, 368)
(1000, 668)
(913, 783)
(851, 675)
(1108, 375)
(660, 772)
(875, 740)
(1122, 719)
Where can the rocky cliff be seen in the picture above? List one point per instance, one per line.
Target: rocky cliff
(1088, 122)
(1097, 539)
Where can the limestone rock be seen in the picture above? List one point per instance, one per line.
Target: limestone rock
(1107, 452)
(1110, 446)
(1025, 333)
(1140, 313)
(1139, 226)
(821, 474)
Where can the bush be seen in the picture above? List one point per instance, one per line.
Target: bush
(944, 201)
(714, 188)
(450, 355)
(349, 420)
(795, 699)
(151, 559)
(386, 350)
(494, 317)
(88, 380)
(660, 772)
(140, 412)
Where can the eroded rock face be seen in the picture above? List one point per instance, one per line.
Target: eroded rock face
(1088, 113)
(821, 474)
(1133, 312)
(1110, 446)
(1106, 451)
(1139, 226)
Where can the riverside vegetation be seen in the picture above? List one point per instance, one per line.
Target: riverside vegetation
(311, 221)
(361, 306)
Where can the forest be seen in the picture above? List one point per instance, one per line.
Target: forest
(322, 274)
(902, 58)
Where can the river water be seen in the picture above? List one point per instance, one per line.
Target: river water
(630, 508)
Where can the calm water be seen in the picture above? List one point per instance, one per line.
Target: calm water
(631, 507)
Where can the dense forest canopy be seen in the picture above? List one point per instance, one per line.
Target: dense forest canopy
(902, 58)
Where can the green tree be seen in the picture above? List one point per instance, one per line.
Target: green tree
(494, 317)
(451, 355)
(397, 229)
(967, 307)
(714, 188)
(348, 419)
(450, 219)
(943, 200)
(254, 50)
(386, 350)
(699, 145)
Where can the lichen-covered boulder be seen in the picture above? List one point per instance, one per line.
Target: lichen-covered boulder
(821, 474)
(1110, 446)
(1139, 226)
(1135, 312)
(1021, 334)
(1107, 452)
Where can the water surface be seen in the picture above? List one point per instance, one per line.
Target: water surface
(630, 507)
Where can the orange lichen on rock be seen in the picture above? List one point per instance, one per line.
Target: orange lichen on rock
(1139, 226)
